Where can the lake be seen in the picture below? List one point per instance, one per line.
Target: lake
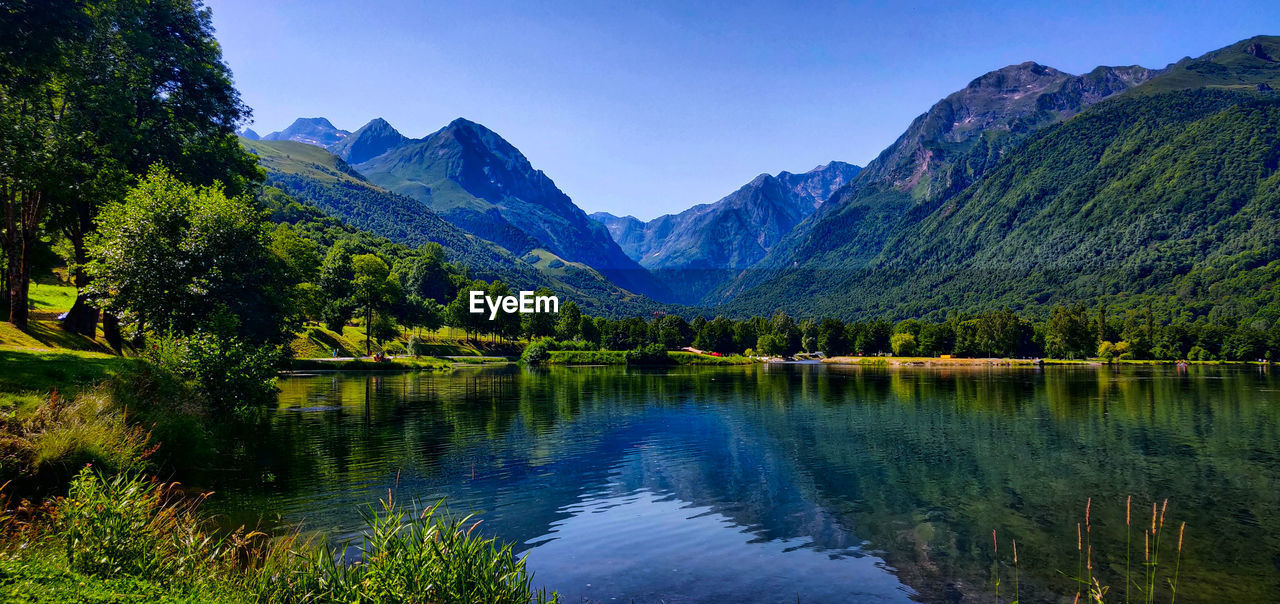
(809, 483)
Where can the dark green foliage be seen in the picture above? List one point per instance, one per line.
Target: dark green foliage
(170, 256)
(329, 198)
(649, 354)
(538, 351)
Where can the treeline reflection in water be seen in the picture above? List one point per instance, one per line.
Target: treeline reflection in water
(812, 481)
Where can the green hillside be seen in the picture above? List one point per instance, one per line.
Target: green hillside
(1172, 196)
(317, 177)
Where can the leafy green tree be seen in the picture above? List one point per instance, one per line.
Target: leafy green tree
(588, 331)
(674, 332)
(426, 274)
(507, 324)
(716, 335)
(375, 289)
(783, 327)
(903, 344)
(543, 324)
(144, 84)
(831, 338)
(170, 253)
(937, 339)
(1069, 334)
(569, 326)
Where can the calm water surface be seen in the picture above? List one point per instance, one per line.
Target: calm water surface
(822, 484)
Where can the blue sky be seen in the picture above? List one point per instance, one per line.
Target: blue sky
(646, 108)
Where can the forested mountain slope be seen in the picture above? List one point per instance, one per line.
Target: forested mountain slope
(1175, 195)
(1008, 208)
(322, 179)
(699, 249)
(478, 181)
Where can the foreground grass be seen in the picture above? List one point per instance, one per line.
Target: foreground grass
(129, 539)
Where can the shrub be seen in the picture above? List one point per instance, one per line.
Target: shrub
(130, 526)
(405, 557)
(538, 351)
(88, 430)
(225, 371)
(652, 354)
(416, 347)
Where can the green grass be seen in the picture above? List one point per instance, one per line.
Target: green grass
(51, 298)
(26, 376)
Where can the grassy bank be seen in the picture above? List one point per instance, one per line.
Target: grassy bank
(619, 357)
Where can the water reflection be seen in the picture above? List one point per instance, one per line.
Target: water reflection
(823, 483)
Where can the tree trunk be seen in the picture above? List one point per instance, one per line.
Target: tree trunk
(83, 316)
(111, 332)
(22, 217)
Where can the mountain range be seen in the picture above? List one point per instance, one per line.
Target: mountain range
(316, 177)
(1139, 185)
(1028, 187)
(705, 246)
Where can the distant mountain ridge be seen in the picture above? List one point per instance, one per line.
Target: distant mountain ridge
(703, 247)
(310, 130)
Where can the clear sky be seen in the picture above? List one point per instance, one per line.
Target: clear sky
(646, 108)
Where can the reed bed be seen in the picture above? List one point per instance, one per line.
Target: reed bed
(1149, 582)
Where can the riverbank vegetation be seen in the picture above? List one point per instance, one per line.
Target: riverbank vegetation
(124, 537)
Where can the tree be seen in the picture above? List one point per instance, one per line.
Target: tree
(37, 150)
(375, 289)
(716, 335)
(937, 339)
(831, 340)
(903, 344)
(570, 323)
(542, 324)
(507, 324)
(674, 332)
(170, 254)
(133, 83)
(1068, 334)
(426, 274)
(785, 329)
(336, 279)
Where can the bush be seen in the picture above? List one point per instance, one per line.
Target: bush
(538, 351)
(406, 557)
(416, 347)
(225, 371)
(652, 354)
